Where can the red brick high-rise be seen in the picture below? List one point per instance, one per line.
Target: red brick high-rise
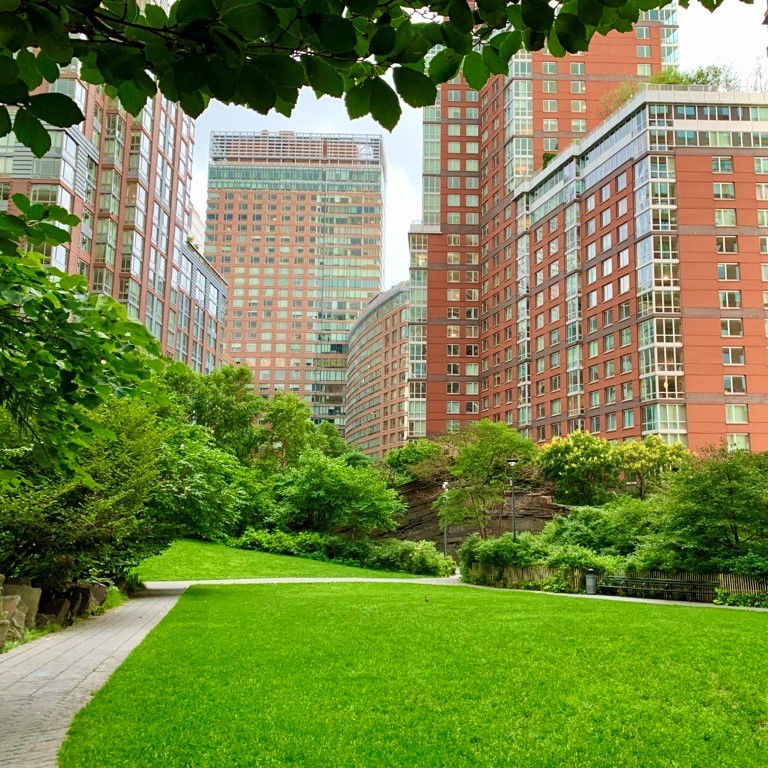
(479, 148)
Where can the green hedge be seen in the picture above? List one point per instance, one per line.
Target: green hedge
(418, 557)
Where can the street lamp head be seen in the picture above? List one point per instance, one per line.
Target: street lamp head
(512, 462)
(445, 485)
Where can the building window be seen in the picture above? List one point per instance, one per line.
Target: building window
(628, 418)
(738, 442)
(725, 165)
(735, 385)
(761, 165)
(643, 51)
(725, 190)
(726, 217)
(733, 355)
(727, 244)
(549, 105)
(736, 413)
(579, 126)
(730, 299)
(728, 271)
(731, 327)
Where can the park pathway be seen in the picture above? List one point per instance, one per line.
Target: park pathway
(45, 683)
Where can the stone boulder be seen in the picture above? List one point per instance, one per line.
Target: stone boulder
(30, 598)
(9, 603)
(56, 610)
(5, 625)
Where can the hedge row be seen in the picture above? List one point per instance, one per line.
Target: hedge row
(418, 557)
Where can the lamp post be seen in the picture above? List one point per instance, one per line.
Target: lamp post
(511, 464)
(445, 525)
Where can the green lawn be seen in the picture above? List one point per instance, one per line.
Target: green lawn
(187, 560)
(375, 676)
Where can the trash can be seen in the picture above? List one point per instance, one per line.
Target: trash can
(591, 582)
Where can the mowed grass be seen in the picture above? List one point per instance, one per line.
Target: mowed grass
(383, 675)
(188, 560)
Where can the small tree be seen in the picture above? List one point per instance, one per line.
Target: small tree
(325, 494)
(584, 468)
(645, 461)
(479, 472)
(717, 509)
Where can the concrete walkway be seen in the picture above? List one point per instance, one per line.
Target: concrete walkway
(45, 683)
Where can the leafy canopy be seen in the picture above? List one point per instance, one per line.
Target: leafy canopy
(63, 351)
(259, 54)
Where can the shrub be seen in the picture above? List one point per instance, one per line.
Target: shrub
(574, 557)
(750, 565)
(756, 600)
(389, 555)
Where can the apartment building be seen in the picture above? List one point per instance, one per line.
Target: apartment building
(377, 391)
(128, 181)
(632, 297)
(478, 148)
(295, 224)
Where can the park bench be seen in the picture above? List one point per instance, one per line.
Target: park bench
(660, 588)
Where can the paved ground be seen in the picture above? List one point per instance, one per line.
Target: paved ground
(44, 684)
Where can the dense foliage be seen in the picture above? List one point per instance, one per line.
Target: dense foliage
(260, 54)
(711, 516)
(195, 456)
(63, 351)
(386, 555)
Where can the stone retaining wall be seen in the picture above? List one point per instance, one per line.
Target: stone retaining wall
(420, 522)
(23, 606)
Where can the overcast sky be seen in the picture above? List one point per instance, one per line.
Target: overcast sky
(734, 35)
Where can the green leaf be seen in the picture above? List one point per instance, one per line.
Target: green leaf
(445, 65)
(362, 7)
(495, 64)
(323, 78)
(31, 132)
(188, 11)
(554, 46)
(222, 80)
(590, 11)
(281, 70)
(47, 68)
(494, 12)
(358, 100)
(14, 93)
(254, 90)
(131, 97)
(251, 20)
(455, 40)
(538, 15)
(462, 18)
(156, 16)
(190, 73)
(28, 70)
(5, 121)
(571, 33)
(511, 45)
(192, 103)
(414, 88)
(52, 36)
(336, 34)
(9, 69)
(14, 33)
(385, 106)
(9, 5)
(53, 234)
(475, 72)
(383, 41)
(56, 109)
